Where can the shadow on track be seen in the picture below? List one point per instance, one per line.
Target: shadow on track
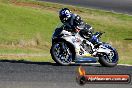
(28, 62)
(45, 63)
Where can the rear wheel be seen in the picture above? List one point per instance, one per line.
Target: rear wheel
(62, 53)
(110, 60)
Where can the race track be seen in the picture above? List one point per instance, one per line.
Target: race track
(48, 75)
(121, 6)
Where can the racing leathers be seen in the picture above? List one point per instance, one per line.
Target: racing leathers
(75, 24)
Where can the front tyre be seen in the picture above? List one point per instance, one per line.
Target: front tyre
(62, 53)
(110, 60)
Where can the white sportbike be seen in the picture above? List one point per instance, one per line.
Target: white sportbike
(68, 48)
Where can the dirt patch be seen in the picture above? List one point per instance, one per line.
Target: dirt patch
(54, 7)
(25, 4)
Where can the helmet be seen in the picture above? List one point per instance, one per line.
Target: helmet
(64, 14)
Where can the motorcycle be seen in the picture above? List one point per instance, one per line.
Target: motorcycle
(68, 48)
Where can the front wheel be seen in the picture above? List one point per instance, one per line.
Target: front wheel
(62, 53)
(110, 60)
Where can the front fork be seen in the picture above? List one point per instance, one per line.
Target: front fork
(62, 48)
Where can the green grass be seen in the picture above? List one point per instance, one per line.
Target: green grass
(24, 29)
(19, 50)
(19, 24)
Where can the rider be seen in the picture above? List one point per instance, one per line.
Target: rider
(73, 23)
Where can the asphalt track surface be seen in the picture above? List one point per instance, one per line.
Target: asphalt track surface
(49, 75)
(121, 6)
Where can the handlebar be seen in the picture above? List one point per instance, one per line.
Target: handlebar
(98, 34)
